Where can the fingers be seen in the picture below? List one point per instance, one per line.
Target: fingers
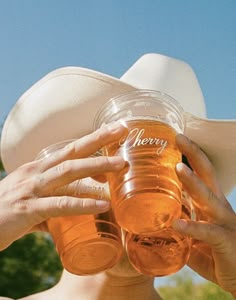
(85, 188)
(221, 240)
(205, 174)
(212, 234)
(199, 163)
(45, 208)
(71, 170)
(87, 145)
(201, 261)
(203, 197)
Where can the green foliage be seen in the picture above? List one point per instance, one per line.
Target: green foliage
(29, 265)
(1, 166)
(2, 172)
(182, 287)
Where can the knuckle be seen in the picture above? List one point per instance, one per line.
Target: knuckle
(29, 168)
(63, 168)
(87, 204)
(27, 189)
(83, 204)
(219, 237)
(214, 234)
(21, 207)
(99, 136)
(62, 203)
(211, 196)
(32, 187)
(72, 148)
(35, 183)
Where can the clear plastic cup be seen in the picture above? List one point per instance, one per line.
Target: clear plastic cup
(146, 194)
(164, 252)
(87, 244)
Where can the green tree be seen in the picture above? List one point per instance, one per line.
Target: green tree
(2, 172)
(28, 266)
(182, 287)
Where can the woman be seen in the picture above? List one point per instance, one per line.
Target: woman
(24, 209)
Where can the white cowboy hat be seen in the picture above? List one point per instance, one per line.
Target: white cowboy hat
(63, 105)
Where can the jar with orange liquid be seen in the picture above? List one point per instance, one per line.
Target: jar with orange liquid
(87, 244)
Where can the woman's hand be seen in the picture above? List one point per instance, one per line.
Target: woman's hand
(35, 191)
(214, 248)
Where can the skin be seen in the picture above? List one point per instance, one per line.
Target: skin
(213, 255)
(35, 192)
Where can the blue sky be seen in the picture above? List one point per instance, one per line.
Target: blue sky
(37, 37)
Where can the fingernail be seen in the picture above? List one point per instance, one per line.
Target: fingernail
(181, 167)
(103, 204)
(180, 225)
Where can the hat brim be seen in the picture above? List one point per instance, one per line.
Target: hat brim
(63, 105)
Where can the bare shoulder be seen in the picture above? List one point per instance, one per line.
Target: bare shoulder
(5, 298)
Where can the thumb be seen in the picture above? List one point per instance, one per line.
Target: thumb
(64, 206)
(211, 234)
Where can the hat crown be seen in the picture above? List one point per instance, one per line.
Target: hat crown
(170, 76)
